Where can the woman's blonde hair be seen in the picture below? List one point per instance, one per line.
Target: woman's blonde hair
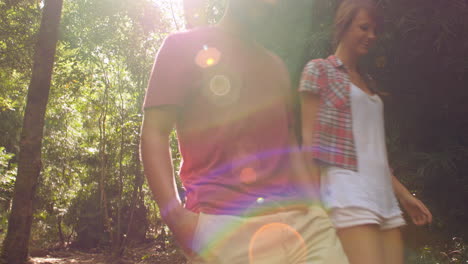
(347, 11)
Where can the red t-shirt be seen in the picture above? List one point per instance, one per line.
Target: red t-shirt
(233, 121)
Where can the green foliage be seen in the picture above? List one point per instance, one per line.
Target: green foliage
(93, 130)
(92, 181)
(425, 74)
(453, 252)
(19, 24)
(423, 68)
(92, 122)
(86, 220)
(7, 174)
(7, 181)
(215, 10)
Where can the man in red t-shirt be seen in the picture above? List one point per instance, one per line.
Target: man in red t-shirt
(228, 99)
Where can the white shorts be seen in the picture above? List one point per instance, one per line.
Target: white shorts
(355, 216)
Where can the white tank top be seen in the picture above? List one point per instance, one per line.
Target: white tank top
(370, 187)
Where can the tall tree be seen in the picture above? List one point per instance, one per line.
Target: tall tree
(15, 247)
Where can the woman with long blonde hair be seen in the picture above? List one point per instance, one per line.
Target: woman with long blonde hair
(343, 135)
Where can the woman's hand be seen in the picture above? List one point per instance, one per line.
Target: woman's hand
(416, 209)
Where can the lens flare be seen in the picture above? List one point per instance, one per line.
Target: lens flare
(220, 90)
(210, 61)
(248, 176)
(220, 85)
(207, 57)
(278, 235)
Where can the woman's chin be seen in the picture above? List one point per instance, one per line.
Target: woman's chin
(363, 51)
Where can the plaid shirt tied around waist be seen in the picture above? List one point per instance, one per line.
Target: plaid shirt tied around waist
(333, 131)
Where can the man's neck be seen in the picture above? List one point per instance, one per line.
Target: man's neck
(232, 27)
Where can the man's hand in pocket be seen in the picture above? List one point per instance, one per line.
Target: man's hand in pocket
(183, 224)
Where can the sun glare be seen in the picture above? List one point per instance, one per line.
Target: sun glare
(173, 12)
(210, 61)
(207, 57)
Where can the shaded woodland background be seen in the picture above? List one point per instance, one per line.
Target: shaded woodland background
(91, 194)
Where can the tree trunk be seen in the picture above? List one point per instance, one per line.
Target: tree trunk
(15, 247)
(117, 244)
(103, 157)
(60, 232)
(137, 195)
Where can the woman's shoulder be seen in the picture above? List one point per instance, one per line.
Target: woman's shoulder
(320, 66)
(319, 62)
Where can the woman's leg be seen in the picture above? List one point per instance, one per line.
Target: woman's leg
(392, 243)
(363, 244)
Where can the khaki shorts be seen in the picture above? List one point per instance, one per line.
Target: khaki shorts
(355, 216)
(294, 236)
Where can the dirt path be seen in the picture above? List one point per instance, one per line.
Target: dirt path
(144, 254)
(74, 257)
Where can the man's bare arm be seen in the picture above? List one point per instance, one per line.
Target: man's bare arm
(157, 162)
(156, 157)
